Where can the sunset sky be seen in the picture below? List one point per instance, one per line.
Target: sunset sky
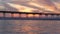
(30, 5)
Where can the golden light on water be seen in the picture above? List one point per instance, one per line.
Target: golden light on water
(23, 15)
(30, 15)
(36, 15)
(15, 15)
(26, 28)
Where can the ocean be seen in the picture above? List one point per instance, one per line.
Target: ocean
(29, 26)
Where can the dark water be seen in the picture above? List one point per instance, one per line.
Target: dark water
(29, 27)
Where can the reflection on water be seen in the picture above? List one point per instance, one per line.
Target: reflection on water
(29, 27)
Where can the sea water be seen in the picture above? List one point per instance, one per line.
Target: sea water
(29, 27)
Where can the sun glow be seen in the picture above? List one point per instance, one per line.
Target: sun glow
(32, 7)
(21, 8)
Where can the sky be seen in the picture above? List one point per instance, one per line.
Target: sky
(30, 5)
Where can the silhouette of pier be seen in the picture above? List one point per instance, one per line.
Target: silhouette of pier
(41, 16)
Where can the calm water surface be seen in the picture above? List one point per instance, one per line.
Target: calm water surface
(29, 27)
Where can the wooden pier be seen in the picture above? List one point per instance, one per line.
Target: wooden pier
(44, 16)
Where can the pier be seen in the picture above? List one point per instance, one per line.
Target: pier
(29, 15)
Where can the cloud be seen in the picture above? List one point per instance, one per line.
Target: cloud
(47, 5)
